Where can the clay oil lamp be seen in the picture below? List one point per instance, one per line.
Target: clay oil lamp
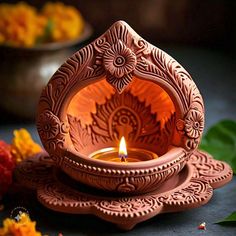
(121, 86)
(122, 117)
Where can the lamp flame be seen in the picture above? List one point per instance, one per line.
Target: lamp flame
(122, 149)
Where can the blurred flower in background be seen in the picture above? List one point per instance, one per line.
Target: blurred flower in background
(66, 21)
(23, 227)
(24, 25)
(34, 41)
(21, 148)
(19, 25)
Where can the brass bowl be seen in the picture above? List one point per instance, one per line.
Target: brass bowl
(25, 71)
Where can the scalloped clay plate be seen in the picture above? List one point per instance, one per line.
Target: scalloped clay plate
(192, 187)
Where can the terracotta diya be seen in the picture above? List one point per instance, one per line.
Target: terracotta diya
(121, 121)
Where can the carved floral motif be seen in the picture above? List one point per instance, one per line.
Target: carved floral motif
(48, 125)
(194, 123)
(119, 61)
(34, 171)
(51, 130)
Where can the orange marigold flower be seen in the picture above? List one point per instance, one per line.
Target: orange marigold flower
(24, 227)
(67, 21)
(22, 25)
(23, 146)
(19, 25)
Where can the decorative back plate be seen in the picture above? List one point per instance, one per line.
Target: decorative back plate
(120, 55)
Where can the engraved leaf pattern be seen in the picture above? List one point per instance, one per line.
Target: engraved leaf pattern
(79, 135)
(125, 110)
(65, 78)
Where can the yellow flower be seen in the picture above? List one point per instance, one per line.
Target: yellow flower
(22, 25)
(67, 21)
(23, 146)
(24, 227)
(19, 24)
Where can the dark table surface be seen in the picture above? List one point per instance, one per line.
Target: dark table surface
(214, 74)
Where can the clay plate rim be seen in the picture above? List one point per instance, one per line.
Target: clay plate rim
(203, 174)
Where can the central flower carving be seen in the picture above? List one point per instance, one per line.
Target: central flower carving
(119, 61)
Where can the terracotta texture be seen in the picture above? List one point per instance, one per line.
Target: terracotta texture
(121, 61)
(120, 85)
(191, 187)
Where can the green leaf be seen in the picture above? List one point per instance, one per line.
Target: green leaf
(220, 141)
(49, 28)
(229, 219)
(46, 37)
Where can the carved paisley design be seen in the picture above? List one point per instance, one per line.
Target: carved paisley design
(191, 144)
(119, 61)
(215, 172)
(195, 191)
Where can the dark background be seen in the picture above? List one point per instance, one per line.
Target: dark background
(208, 23)
(200, 34)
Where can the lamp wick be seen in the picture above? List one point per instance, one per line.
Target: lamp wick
(122, 158)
